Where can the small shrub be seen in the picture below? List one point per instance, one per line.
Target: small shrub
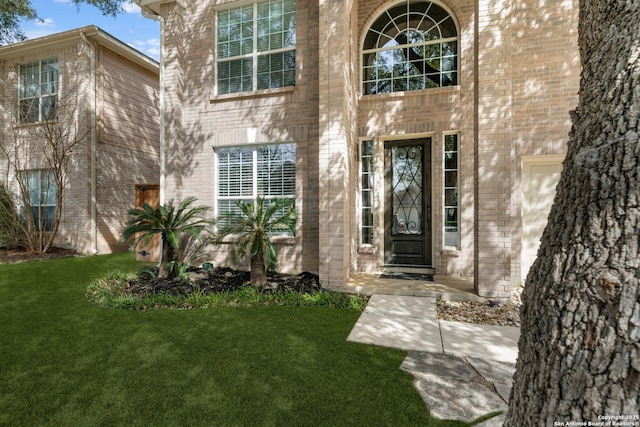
(105, 292)
(198, 299)
(147, 272)
(195, 250)
(126, 302)
(248, 296)
(322, 299)
(179, 270)
(11, 228)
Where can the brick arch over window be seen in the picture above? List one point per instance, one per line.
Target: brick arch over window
(412, 45)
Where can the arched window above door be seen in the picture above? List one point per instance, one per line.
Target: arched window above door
(411, 46)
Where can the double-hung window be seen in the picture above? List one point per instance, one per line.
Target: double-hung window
(256, 47)
(38, 91)
(42, 189)
(246, 172)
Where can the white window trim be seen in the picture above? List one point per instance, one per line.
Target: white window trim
(359, 205)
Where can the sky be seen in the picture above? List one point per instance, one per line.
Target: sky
(130, 27)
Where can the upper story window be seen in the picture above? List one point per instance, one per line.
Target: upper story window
(256, 46)
(38, 91)
(411, 46)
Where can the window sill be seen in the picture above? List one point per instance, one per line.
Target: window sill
(451, 252)
(252, 94)
(368, 249)
(435, 90)
(23, 125)
(276, 240)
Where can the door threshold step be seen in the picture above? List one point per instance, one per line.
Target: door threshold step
(408, 269)
(408, 272)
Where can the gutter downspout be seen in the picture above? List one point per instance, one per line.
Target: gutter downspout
(163, 173)
(151, 15)
(93, 93)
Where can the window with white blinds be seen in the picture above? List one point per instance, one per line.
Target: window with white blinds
(246, 172)
(256, 46)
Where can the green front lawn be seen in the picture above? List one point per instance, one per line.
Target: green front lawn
(66, 362)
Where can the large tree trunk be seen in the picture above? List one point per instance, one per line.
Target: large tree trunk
(579, 348)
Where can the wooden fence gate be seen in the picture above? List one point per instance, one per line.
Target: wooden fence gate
(150, 194)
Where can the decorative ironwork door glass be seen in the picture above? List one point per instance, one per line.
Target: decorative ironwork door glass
(406, 192)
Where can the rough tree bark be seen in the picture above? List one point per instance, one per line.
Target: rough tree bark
(168, 255)
(579, 351)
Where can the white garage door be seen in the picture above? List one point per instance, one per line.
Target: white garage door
(540, 174)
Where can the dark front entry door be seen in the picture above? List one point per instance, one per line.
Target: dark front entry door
(408, 202)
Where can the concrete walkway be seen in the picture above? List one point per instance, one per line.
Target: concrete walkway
(451, 288)
(462, 371)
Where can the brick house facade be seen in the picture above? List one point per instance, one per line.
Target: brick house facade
(103, 90)
(426, 134)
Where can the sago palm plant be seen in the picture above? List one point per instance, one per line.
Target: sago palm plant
(251, 229)
(170, 223)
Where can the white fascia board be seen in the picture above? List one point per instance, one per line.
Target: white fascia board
(92, 32)
(152, 6)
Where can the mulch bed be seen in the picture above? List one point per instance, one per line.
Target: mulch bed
(224, 279)
(20, 255)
